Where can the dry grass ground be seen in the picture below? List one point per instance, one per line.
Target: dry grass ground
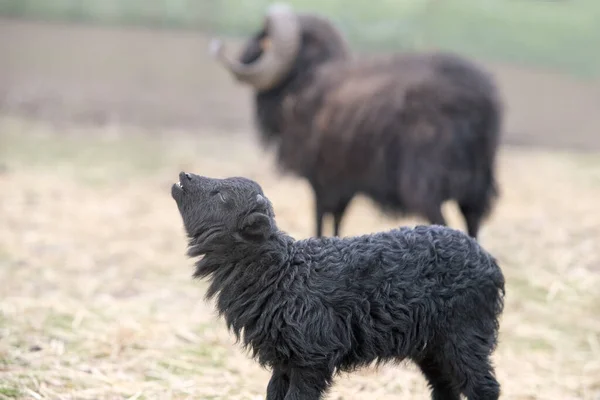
(97, 300)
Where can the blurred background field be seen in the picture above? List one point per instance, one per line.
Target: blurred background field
(139, 62)
(103, 102)
(550, 33)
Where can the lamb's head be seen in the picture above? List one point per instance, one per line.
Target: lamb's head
(218, 213)
(287, 42)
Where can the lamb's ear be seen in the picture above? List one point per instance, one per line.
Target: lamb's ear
(261, 201)
(256, 226)
(259, 224)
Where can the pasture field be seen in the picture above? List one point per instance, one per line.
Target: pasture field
(97, 300)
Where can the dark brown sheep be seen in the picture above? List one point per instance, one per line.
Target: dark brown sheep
(409, 130)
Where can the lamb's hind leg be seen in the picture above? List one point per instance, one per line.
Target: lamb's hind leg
(482, 384)
(308, 384)
(278, 385)
(471, 368)
(440, 381)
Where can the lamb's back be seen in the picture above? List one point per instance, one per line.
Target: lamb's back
(425, 259)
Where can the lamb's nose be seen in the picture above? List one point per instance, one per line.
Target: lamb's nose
(188, 176)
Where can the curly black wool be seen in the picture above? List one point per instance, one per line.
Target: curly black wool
(311, 308)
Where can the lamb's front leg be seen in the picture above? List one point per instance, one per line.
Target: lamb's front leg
(278, 385)
(308, 384)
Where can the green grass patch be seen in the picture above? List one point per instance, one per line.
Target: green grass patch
(7, 392)
(59, 321)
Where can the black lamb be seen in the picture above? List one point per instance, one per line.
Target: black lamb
(408, 130)
(311, 308)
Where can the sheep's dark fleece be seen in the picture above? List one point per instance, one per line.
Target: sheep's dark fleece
(408, 130)
(311, 308)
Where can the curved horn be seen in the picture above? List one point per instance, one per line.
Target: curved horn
(276, 60)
